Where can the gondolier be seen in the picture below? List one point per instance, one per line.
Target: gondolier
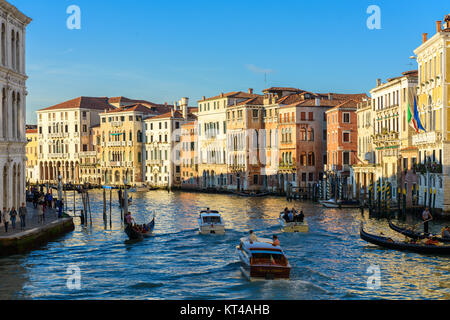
(426, 217)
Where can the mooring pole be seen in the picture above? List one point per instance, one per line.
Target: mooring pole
(110, 208)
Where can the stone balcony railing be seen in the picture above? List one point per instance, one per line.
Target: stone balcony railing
(116, 123)
(427, 138)
(58, 135)
(116, 144)
(87, 154)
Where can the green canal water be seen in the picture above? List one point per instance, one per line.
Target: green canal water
(329, 262)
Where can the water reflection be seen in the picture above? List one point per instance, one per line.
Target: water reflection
(330, 262)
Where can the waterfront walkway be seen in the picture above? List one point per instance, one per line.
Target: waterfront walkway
(31, 221)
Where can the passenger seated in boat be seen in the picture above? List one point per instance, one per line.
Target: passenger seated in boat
(291, 216)
(252, 237)
(276, 242)
(300, 217)
(286, 214)
(446, 232)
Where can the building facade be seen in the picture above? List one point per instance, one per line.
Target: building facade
(64, 135)
(433, 102)
(13, 93)
(32, 165)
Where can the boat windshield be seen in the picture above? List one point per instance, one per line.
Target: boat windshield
(269, 258)
(211, 220)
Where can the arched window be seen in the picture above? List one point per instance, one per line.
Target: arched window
(13, 50)
(17, 66)
(311, 134)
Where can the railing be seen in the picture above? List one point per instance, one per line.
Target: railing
(86, 154)
(427, 137)
(116, 144)
(116, 123)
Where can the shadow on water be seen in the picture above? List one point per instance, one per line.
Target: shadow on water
(176, 262)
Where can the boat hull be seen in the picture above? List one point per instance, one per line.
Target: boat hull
(415, 235)
(263, 272)
(212, 229)
(293, 227)
(403, 246)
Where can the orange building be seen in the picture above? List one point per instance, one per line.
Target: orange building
(189, 155)
(342, 130)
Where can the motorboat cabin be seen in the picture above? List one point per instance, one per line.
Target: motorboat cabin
(261, 260)
(293, 226)
(211, 222)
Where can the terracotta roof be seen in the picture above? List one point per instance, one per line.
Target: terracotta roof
(168, 115)
(126, 100)
(132, 108)
(346, 104)
(234, 94)
(283, 89)
(94, 103)
(413, 73)
(257, 101)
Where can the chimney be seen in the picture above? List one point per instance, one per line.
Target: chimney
(378, 82)
(184, 107)
(424, 36)
(318, 102)
(204, 98)
(330, 96)
(250, 91)
(221, 94)
(439, 26)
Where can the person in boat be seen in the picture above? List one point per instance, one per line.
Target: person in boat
(276, 242)
(208, 210)
(129, 219)
(300, 217)
(426, 217)
(286, 214)
(291, 216)
(252, 237)
(446, 232)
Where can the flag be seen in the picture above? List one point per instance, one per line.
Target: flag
(411, 120)
(416, 117)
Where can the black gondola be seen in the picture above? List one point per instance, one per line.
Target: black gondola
(404, 246)
(133, 234)
(416, 235)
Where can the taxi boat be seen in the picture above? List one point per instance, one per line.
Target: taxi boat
(294, 226)
(261, 260)
(211, 222)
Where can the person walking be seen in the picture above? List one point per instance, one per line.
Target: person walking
(5, 218)
(13, 216)
(40, 211)
(23, 216)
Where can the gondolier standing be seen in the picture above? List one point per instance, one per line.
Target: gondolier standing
(426, 217)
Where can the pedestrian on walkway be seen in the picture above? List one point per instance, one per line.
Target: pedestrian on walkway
(5, 218)
(40, 212)
(13, 216)
(23, 216)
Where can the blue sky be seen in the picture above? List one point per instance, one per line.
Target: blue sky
(164, 50)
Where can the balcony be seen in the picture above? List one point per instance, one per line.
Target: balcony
(87, 154)
(116, 123)
(154, 162)
(427, 138)
(286, 166)
(115, 164)
(58, 135)
(116, 144)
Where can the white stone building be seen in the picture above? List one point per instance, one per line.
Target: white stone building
(64, 135)
(163, 147)
(13, 94)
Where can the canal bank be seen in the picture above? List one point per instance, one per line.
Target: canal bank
(17, 241)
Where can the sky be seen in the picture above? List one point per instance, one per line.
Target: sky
(164, 50)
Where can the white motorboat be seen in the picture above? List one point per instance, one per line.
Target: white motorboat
(261, 260)
(211, 222)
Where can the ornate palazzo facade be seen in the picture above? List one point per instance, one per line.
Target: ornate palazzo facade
(13, 92)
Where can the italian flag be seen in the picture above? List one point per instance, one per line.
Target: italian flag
(411, 120)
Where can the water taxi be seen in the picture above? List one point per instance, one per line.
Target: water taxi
(293, 226)
(261, 260)
(211, 222)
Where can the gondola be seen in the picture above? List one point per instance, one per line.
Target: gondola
(404, 246)
(252, 194)
(416, 235)
(133, 234)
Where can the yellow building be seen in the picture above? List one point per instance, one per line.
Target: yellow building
(433, 102)
(121, 145)
(32, 171)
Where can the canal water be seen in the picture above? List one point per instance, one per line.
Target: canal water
(329, 262)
